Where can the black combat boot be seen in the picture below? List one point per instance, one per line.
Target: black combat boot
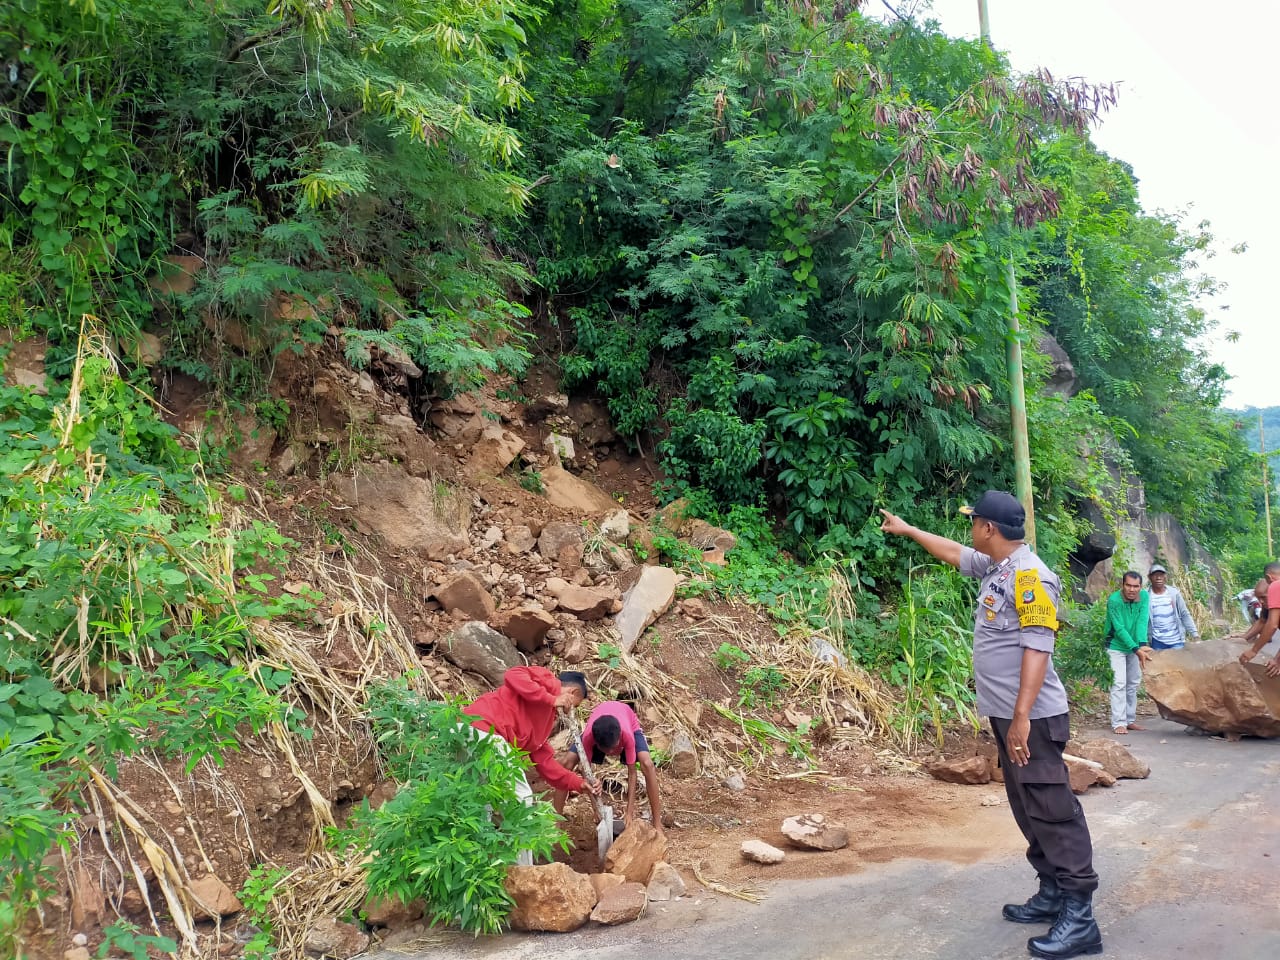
(1042, 908)
(1074, 934)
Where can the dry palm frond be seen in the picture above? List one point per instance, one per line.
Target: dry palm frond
(750, 894)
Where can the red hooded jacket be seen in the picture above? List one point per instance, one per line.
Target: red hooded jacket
(522, 711)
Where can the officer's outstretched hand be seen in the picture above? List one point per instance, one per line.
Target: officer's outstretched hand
(893, 524)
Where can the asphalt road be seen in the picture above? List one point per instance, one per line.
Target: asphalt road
(1189, 861)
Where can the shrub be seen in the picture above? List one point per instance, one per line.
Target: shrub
(456, 825)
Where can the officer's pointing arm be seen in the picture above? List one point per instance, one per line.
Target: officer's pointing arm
(948, 551)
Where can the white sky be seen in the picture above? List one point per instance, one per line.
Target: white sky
(1196, 122)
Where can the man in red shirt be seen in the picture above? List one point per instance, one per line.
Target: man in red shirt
(1272, 575)
(613, 730)
(522, 712)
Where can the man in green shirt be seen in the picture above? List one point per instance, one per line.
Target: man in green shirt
(1128, 622)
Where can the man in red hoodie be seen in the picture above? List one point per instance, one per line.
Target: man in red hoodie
(522, 711)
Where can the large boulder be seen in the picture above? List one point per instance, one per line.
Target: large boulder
(635, 852)
(814, 831)
(1062, 372)
(549, 897)
(644, 603)
(1115, 759)
(479, 648)
(407, 512)
(1204, 685)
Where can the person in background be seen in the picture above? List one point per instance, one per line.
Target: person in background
(1171, 621)
(1257, 611)
(1128, 616)
(1272, 575)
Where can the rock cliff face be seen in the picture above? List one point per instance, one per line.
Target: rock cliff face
(1141, 537)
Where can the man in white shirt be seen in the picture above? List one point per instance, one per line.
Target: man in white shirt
(1171, 621)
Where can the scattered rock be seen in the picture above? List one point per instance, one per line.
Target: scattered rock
(622, 904)
(708, 538)
(559, 446)
(644, 603)
(549, 897)
(735, 782)
(76, 953)
(328, 937)
(1115, 759)
(585, 603)
(88, 906)
(993, 800)
(815, 832)
(758, 851)
(971, 770)
(465, 593)
(695, 608)
(575, 649)
(826, 652)
(665, 882)
(481, 649)
(604, 882)
(519, 539)
(1204, 685)
(562, 543)
(493, 451)
(80, 940)
(565, 490)
(390, 912)
(1082, 776)
(543, 407)
(527, 626)
(212, 898)
(684, 759)
(177, 275)
(635, 852)
(616, 527)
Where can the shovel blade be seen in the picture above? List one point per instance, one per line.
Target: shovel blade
(604, 833)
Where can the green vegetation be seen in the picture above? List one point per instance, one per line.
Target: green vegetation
(457, 823)
(774, 238)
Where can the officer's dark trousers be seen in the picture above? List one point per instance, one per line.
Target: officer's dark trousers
(1046, 810)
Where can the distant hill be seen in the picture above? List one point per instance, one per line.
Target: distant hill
(1270, 427)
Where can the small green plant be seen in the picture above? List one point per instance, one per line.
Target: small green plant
(256, 895)
(125, 937)
(728, 656)
(457, 823)
(531, 480)
(274, 412)
(761, 687)
(610, 653)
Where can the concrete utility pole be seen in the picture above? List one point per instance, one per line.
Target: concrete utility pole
(1266, 483)
(1017, 383)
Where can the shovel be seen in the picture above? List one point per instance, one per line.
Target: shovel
(604, 812)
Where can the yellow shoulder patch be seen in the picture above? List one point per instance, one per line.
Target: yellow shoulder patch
(1035, 609)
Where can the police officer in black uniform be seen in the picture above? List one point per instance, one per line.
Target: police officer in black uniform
(1014, 627)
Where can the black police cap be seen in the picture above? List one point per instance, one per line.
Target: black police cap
(998, 507)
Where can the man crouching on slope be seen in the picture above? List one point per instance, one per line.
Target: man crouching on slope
(522, 712)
